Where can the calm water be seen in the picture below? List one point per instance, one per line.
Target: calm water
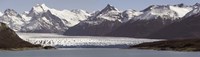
(97, 52)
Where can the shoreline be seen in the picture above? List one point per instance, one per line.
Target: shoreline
(28, 48)
(171, 45)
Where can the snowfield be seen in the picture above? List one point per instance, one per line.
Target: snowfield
(1, 13)
(50, 39)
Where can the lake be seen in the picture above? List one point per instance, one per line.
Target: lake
(97, 52)
(47, 39)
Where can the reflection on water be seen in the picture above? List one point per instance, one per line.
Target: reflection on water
(96, 52)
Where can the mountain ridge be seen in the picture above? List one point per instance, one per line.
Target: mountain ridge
(107, 22)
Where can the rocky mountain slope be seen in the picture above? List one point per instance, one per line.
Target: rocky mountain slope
(50, 20)
(152, 19)
(9, 39)
(99, 24)
(107, 22)
(187, 28)
(43, 19)
(12, 19)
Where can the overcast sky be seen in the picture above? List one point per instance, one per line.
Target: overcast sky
(89, 5)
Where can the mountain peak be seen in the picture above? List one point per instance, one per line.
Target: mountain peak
(150, 7)
(195, 11)
(180, 5)
(110, 7)
(40, 8)
(43, 6)
(107, 9)
(11, 12)
(197, 4)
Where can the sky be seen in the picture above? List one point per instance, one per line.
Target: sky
(88, 5)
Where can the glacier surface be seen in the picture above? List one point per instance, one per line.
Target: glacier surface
(51, 39)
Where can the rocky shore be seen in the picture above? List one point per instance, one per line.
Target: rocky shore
(174, 45)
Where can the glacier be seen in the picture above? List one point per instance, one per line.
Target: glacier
(51, 39)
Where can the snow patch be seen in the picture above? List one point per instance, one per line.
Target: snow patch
(181, 11)
(195, 10)
(43, 17)
(165, 11)
(1, 13)
(14, 22)
(40, 8)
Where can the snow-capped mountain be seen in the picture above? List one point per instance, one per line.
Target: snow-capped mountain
(165, 11)
(45, 19)
(113, 22)
(12, 19)
(196, 10)
(129, 14)
(100, 23)
(151, 19)
(108, 21)
(186, 28)
(108, 13)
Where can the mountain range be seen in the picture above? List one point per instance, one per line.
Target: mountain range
(186, 28)
(152, 22)
(43, 19)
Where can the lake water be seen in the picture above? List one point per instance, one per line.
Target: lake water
(55, 39)
(97, 52)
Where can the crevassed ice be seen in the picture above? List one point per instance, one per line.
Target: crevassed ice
(54, 39)
(85, 41)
